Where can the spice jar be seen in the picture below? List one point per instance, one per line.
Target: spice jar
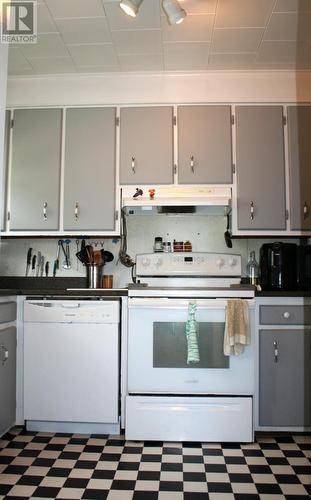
(178, 246)
(187, 246)
(167, 248)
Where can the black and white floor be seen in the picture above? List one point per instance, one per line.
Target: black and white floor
(43, 465)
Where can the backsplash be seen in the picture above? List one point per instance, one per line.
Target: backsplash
(206, 233)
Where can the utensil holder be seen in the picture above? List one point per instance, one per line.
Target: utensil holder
(94, 275)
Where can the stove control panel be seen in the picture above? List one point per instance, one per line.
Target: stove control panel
(188, 264)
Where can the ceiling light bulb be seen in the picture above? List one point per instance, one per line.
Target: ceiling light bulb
(130, 7)
(175, 14)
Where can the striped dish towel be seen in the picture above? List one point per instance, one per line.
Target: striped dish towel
(193, 355)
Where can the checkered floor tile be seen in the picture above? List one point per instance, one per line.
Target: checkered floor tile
(43, 465)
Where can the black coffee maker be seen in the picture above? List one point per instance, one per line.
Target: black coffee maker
(278, 266)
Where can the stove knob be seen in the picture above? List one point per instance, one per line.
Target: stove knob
(220, 262)
(159, 262)
(145, 262)
(232, 262)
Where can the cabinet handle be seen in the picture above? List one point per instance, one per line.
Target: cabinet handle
(192, 163)
(77, 211)
(252, 210)
(133, 165)
(45, 210)
(286, 315)
(276, 352)
(4, 355)
(305, 210)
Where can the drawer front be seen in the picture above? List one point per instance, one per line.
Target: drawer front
(7, 312)
(285, 315)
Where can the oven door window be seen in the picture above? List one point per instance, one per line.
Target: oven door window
(170, 345)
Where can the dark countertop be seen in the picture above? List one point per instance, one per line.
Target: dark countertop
(276, 293)
(66, 287)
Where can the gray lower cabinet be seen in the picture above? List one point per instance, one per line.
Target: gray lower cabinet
(89, 185)
(204, 145)
(146, 145)
(285, 378)
(299, 148)
(260, 168)
(35, 170)
(7, 366)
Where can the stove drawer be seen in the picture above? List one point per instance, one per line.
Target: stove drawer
(180, 418)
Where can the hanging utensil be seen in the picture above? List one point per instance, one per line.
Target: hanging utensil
(38, 263)
(227, 234)
(33, 265)
(42, 265)
(47, 265)
(77, 245)
(107, 256)
(29, 254)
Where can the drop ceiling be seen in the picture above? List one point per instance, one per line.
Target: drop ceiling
(95, 36)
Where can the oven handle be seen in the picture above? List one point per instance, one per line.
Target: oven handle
(165, 303)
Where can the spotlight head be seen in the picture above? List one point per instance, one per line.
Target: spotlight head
(175, 14)
(130, 7)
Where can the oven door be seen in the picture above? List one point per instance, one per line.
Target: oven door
(157, 350)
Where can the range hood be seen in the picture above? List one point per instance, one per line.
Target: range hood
(176, 200)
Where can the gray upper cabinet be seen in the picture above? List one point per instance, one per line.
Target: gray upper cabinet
(89, 186)
(284, 378)
(299, 144)
(146, 145)
(35, 170)
(5, 160)
(204, 145)
(260, 168)
(7, 378)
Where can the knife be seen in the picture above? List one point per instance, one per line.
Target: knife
(38, 264)
(42, 265)
(29, 253)
(55, 268)
(47, 265)
(33, 265)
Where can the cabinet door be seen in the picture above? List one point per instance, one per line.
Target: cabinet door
(299, 144)
(146, 149)
(260, 167)
(204, 145)
(35, 174)
(284, 380)
(7, 378)
(89, 192)
(5, 162)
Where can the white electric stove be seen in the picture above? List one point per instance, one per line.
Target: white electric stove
(169, 399)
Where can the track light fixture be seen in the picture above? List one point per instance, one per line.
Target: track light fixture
(174, 13)
(130, 7)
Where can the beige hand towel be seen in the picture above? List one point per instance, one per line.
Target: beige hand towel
(237, 331)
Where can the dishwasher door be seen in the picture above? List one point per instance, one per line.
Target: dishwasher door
(71, 361)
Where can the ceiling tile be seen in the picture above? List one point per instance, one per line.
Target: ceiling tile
(17, 63)
(185, 55)
(194, 28)
(45, 20)
(283, 52)
(137, 42)
(289, 26)
(293, 6)
(52, 65)
(231, 61)
(229, 40)
(49, 44)
(93, 54)
(141, 62)
(75, 8)
(243, 13)
(199, 6)
(91, 30)
(147, 18)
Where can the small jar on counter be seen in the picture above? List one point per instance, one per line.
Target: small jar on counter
(158, 244)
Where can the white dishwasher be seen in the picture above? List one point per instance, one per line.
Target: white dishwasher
(71, 365)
